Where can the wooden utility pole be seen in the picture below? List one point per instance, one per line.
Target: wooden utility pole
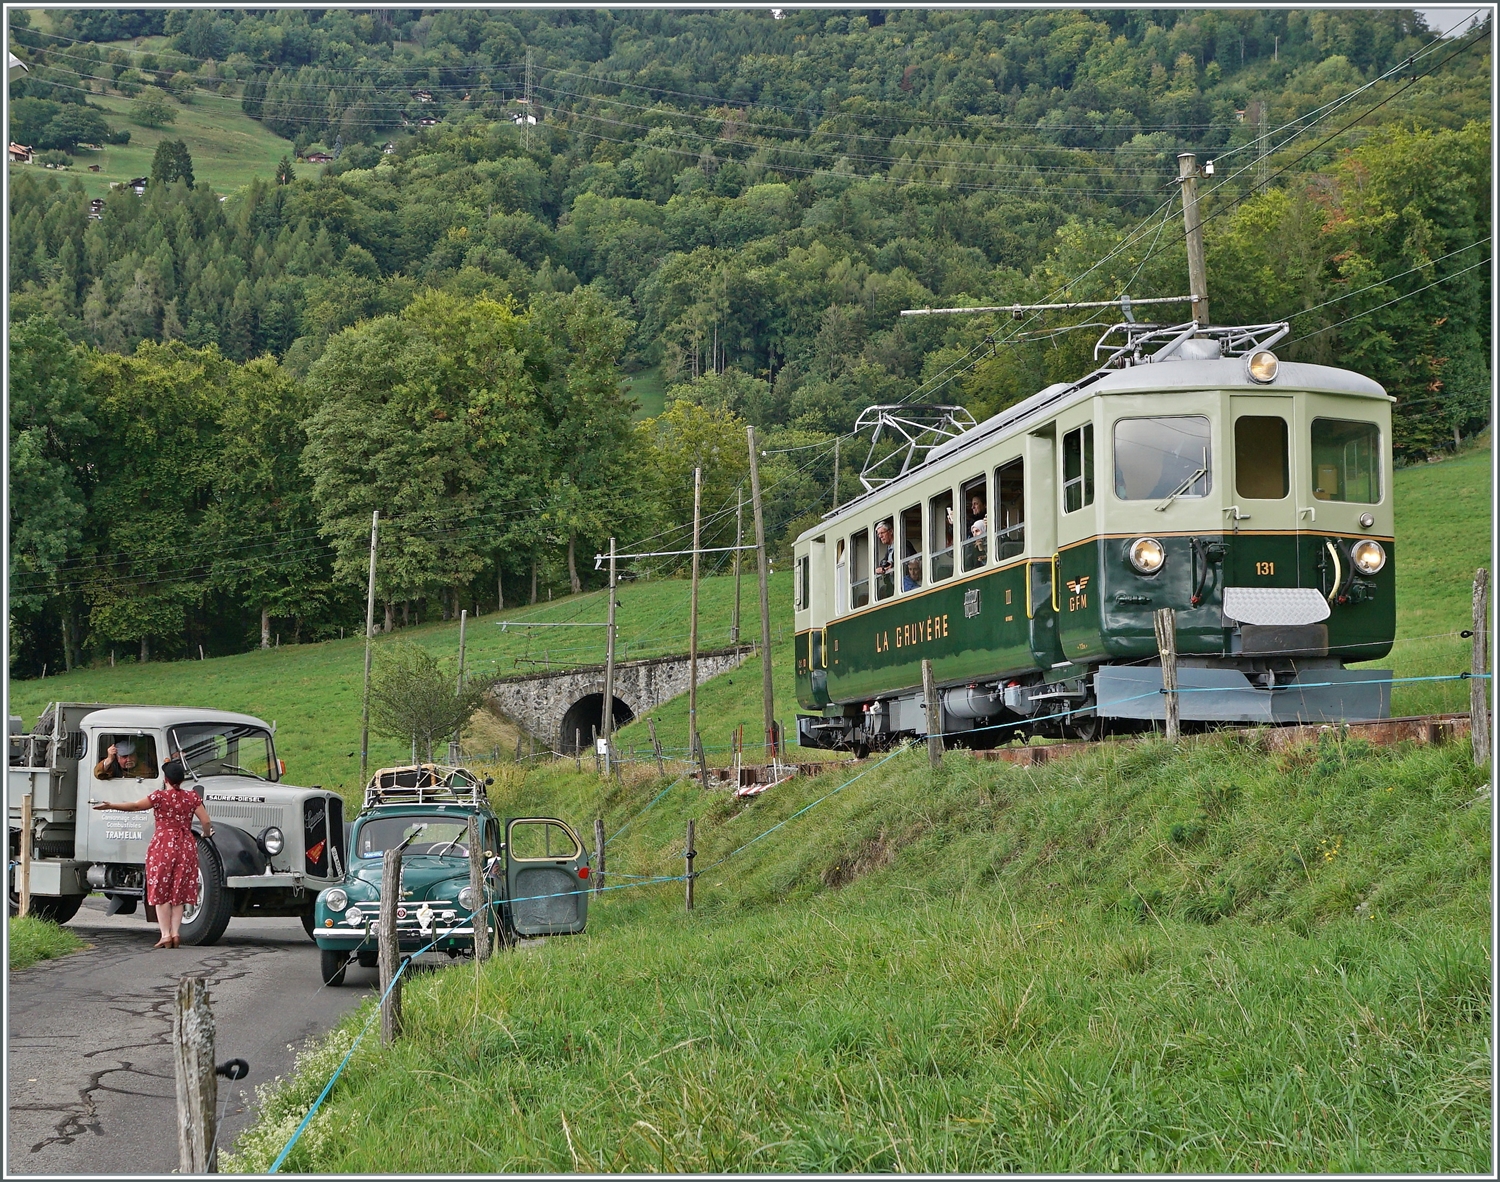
(702, 758)
(455, 745)
(609, 669)
(481, 918)
(768, 690)
(598, 855)
(934, 716)
(693, 614)
(364, 726)
(390, 947)
(1479, 703)
(1166, 645)
(25, 907)
(197, 1083)
(1187, 176)
(836, 440)
(688, 855)
(739, 536)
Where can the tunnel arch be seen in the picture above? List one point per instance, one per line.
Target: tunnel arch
(582, 721)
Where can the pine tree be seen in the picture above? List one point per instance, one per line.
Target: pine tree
(172, 163)
(284, 173)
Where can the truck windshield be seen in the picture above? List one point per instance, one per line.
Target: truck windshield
(445, 836)
(224, 749)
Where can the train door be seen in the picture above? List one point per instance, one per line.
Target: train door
(1262, 521)
(1075, 583)
(1041, 546)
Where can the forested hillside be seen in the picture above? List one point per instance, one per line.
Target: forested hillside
(209, 397)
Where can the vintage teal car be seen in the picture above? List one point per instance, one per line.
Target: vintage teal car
(535, 881)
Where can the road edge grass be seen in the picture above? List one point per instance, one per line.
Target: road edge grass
(32, 940)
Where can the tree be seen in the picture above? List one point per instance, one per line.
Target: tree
(74, 125)
(171, 163)
(284, 172)
(153, 109)
(415, 697)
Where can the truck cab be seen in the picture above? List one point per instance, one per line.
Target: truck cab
(274, 845)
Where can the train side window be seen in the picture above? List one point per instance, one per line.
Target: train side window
(1346, 461)
(1010, 509)
(1162, 457)
(976, 523)
(804, 578)
(859, 570)
(1262, 463)
(885, 559)
(1078, 468)
(911, 548)
(840, 578)
(940, 535)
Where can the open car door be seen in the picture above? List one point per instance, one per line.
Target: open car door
(546, 877)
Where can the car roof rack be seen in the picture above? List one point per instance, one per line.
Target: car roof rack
(425, 783)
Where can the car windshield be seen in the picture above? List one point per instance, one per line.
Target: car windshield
(224, 749)
(444, 836)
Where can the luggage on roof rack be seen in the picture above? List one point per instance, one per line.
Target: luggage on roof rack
(425, 783)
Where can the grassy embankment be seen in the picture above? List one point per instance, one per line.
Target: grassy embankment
(33, 939)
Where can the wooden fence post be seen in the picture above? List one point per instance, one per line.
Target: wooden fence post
(934, 716)
(25, 907)
(702, 757)
(390, 948)
(599, 853)
(1479, 703)
(197, 1083)
(688, 855)
(1166, 645)
(481, 918)
(661, 768)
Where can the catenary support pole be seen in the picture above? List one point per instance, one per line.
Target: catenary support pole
(768, 690)
(481, 921)
(455, 745)
(836, 441)
(1479, 703)
(390, 947)
(693, 613)
(609, 669)
(1166, 645)
(364, 725)
(1187, 176)
(197, 1083)
(739, 537)
(934, 716)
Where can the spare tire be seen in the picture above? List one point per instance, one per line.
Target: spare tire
(204, 922)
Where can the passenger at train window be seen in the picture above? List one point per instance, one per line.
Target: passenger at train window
(940, 531)
(976, 526)
(911, 548)
(1010, 514)
(885, 559)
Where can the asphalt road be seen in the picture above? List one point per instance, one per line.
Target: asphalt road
(91, 1083)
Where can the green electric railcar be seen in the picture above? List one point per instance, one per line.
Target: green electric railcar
(1026, 557)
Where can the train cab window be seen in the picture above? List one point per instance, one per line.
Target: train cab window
(1078, 468)
(1346, 461)
(840, 578)
(911, 548)
(976, 523)
(1262, 463)
(940, 535)
(1010, 510)
(885, 559)
(804, 580)
(859, 570)
(1162, 457)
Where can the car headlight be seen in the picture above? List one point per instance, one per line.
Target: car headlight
(1147, 555)
(335, 899)
(354, 916)
(1368, 556)
(1262, 366)
(467, 898)
(271, 840)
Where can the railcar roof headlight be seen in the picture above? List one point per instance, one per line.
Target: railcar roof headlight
(466, 898)
(335, 899)
(1262, 366)
(271, 840)
(1368, 556)
(1147, 555)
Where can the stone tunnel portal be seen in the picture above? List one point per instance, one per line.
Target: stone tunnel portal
(583, 721)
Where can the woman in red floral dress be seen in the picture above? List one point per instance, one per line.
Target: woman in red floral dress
(172, 857)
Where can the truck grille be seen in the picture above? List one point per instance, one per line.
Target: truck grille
(315, 833)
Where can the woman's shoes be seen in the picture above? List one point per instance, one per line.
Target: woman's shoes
(164, 942)
(176, 941)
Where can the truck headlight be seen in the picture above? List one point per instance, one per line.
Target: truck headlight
(467, 898)
(1368, 556)
(1147, 555)
(335, 899)
(271, 840)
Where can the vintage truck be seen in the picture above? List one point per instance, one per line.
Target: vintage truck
(274, 846)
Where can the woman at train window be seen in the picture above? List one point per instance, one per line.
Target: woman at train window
(976, 527)
(911, 574)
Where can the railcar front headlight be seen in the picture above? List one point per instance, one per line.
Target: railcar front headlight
(335, 899)
(1147, 555)
(271, 840)
(1262, 366)
(1368, 556)
(466, 898)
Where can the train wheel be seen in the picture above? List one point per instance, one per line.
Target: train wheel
(1086, 727)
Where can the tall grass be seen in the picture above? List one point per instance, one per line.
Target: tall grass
(31, 939)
